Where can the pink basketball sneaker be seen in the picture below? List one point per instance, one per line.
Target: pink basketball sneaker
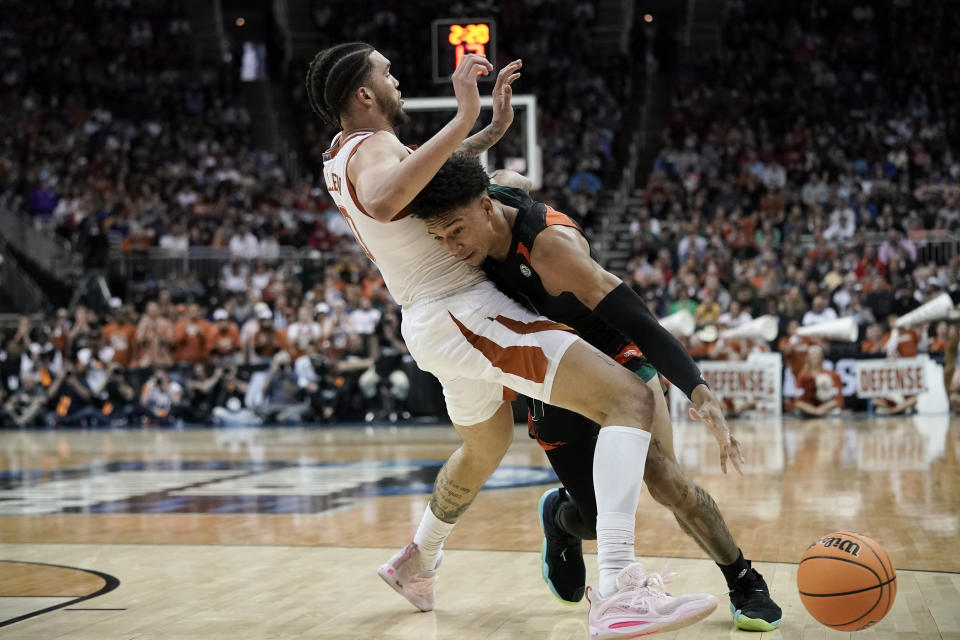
(404, 574)
(641, 607)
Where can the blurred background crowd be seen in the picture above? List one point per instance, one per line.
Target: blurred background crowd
(185, 363)
(808, 170)
(804, 167)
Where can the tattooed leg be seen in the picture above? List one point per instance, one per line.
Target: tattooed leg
(451, 496)
(695, 510)
(465, 471)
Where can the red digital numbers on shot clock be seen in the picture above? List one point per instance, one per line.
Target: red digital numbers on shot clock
(472, 38)
(455, 38)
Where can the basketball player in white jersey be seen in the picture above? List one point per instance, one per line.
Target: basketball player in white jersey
(481, 345)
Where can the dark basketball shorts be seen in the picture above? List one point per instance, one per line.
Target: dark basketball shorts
(554, 427)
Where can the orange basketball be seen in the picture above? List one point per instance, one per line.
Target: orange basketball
(847, 581)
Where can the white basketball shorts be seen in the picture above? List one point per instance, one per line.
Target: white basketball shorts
(483, 347)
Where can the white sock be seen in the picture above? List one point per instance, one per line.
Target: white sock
(618, 463)
(429, 538)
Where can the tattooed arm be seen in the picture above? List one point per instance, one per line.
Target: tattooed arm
(502, 113)
(482, 140)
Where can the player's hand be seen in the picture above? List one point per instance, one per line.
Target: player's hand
(710, 412)
(502, 94)
(465, 85)
(509, 178)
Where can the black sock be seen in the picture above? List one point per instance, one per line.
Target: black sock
(736, 570)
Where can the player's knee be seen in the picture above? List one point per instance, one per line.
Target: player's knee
(489, 450)
(634, 404)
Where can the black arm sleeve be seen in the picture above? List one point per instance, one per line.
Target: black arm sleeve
(626, 312)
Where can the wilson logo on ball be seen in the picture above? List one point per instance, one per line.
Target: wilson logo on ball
(843, 544)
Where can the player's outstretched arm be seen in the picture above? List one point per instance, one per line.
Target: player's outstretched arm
(502, 113)
(387, 178)
(561, 257)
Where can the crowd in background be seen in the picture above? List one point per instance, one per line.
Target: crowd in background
(113, 130)
(335, 357)
(809, 170)
(578, 100)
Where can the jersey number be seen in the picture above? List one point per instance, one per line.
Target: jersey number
(356, 233)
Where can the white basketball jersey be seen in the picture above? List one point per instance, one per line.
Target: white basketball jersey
(411, 262)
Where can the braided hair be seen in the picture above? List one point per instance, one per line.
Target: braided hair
(334, 74)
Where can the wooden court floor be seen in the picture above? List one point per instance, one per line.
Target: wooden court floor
(277, 533)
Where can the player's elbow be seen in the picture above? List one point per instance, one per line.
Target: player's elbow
(592, 297)
(382, 205)
(599, 286)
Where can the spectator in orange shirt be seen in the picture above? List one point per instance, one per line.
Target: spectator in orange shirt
(821, 251)
(138, 240)
(267, 340)
(904, 347)
(907, 341)
(821, 390)
(190, 337)
(154, 338)
(223, 341)
(700, 344)
(872, 343)
(794, 348)
(120, 333)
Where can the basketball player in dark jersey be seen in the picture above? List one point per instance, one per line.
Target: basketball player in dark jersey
(540, 257)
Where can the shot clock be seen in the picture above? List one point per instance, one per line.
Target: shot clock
(454, 38)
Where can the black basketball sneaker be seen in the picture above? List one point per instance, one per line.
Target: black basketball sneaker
(562, 554)
(751, 605)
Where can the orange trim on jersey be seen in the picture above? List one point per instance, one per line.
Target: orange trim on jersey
(403, 213)
(555, 217)
(356, 232)
(346, 177)
(509, 395)
(529, 363)
(522, 250)
(531, 327)
(628, 352)
(338, 143)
